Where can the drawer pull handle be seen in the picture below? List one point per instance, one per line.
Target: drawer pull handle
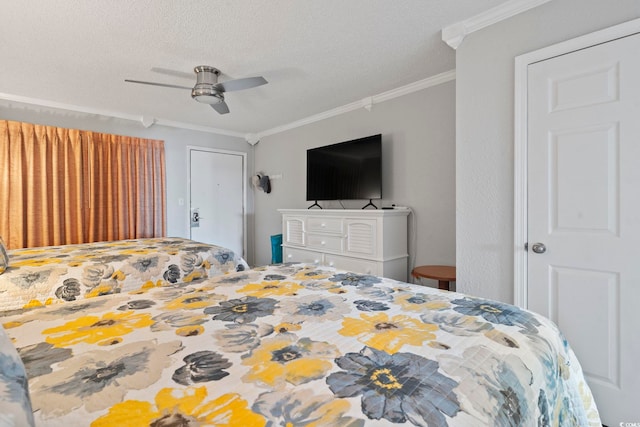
(331, 264)
(289, 256)
(323, 243)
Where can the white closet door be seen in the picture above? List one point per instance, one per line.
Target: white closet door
(584, 213)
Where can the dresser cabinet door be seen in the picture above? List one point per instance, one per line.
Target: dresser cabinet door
(294, 231)
(361, 236)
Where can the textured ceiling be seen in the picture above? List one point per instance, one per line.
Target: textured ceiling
(316, 55)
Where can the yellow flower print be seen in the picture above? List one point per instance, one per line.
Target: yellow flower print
(80, 258)
(34, 303)
(270, 288)
(110, 341)
(311, 274)
(194, 275)
(287, 358)
(21, 252)
(13, 324)
(37, 262)
(137, 251)
(103, 289)
(147, 286)
(387, 334)
(121, 243)
(93, 329)
(118, 275)
(193, 301)
(190, 331)
(286, 327)
(182, 407)
(420, 302)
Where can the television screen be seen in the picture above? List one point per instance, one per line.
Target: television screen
(348, 170)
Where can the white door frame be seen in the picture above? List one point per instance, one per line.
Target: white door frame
(244, 188)
(522, 63)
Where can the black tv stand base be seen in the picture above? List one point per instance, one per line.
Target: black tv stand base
(315, 204)
(369, 204)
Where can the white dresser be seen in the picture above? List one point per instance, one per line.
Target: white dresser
(362, 241)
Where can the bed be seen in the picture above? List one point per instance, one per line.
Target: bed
(287, 344)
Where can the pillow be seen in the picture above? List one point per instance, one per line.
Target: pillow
(15, 403)
(4, 258)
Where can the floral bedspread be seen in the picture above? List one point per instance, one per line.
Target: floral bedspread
(297, 345)
(41, 276)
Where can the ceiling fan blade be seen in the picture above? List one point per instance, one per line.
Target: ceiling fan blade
(157, 84)
(240, 84)
(221, 107)
(174, 73)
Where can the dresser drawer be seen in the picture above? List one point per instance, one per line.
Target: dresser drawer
(355, 265)
(300, 255)
(324, 242)
(327, 225)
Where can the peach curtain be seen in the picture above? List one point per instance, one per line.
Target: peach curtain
(63, 186)
(125, 200)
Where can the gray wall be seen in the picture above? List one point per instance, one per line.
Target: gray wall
(418, 134)
(485, 129)
(176, 141)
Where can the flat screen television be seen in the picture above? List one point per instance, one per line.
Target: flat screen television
(346, 171)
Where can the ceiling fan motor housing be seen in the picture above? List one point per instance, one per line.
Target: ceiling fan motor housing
(204, 91)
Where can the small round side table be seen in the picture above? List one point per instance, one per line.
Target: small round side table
(442, 273)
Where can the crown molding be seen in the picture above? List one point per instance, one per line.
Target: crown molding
(251, 138)
(366, 103)
(207, 129)
(146, 121)
(454, 34)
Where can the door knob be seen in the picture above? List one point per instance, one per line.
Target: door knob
(539, 248)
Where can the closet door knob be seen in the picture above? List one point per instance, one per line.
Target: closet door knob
(539, 248)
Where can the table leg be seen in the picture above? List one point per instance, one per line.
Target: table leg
(443, 284)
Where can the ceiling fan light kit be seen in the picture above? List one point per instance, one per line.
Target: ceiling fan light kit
(207, 90)
(204, 91)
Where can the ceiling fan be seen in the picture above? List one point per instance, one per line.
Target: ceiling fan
(207, 89)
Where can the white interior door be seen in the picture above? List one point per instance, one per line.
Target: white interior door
(217, 197)
(584, 207)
